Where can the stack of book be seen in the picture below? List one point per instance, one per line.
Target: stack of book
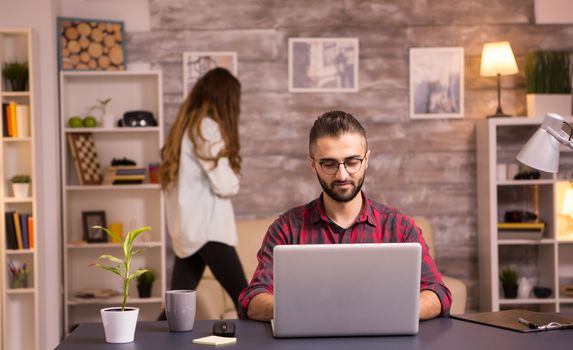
(124, 175)
(520, 230)
(15, 119)
(19, 230)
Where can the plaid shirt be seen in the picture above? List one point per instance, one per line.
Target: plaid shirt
(309, 224)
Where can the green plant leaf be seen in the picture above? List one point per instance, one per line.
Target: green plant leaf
(137, 251)
(111, 258)
(109, 233)
(136, 274)
(109, 268)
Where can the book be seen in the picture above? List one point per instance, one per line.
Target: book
(16, 217)
(24, 228)
(14, 126)
(11, 241)
(31, 231)
(520, 230)
(23, 120)
(5, 119)
(521, 226)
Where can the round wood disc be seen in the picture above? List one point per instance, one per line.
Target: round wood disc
(71, 33)
(95, 50)
(85, 57)
(116, 55)
(104, 61)
(74, 46)
(84, 29)
(109, 41)
(97, 35)
(74, 59)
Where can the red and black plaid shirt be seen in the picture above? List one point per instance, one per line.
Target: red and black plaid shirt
(309, 224)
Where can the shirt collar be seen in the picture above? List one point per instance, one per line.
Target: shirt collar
(319, 213)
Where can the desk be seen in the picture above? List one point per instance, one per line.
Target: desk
(439, 334)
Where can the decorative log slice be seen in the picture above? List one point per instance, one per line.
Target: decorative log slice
(95, 50)
(116, 55)
(84, 29)
(71, 33)
(74, 46)
(97, 35)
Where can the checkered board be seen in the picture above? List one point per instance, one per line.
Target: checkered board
(84, 152)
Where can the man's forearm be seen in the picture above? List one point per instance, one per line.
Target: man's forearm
(261, 307)
(430, 305)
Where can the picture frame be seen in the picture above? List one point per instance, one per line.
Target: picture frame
(91, 44)
(94, 218)
(436, 82)
(323, 64)
(197, 63)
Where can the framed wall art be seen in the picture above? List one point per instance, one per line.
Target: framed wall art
(90, 219)
(436, 82)
(323, 65)
(195, 64)
(91, 44)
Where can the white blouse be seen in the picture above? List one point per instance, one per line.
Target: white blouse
(199, 207)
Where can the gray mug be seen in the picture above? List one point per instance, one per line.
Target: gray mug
(180, 309)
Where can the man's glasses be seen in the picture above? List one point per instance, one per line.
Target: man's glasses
(331, 166)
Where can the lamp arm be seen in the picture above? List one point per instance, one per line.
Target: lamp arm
(561, 136)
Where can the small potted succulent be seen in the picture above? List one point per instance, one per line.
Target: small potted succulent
(508, 277)
(17, 74)
(21, 185)
(119, 322)
(145, 283)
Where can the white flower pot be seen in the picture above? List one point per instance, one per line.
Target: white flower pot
(539, 104)
(119, 326)
(109, 121)
(21, 190)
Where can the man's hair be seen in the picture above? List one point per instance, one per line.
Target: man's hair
(334, 124)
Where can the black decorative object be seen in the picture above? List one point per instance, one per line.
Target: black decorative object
(519, 216)
(122, 162)
(137, 119)
(542, 292)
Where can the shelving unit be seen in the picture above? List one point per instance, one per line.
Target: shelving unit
(132, 205)
(548, 260)
(19, 322)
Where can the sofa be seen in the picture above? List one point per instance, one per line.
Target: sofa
(214, 303)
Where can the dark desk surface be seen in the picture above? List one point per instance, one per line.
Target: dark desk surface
(439, 334)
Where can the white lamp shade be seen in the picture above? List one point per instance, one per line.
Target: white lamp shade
(541, 152)
(497, 58)
(567, 208)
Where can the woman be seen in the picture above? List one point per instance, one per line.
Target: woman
(199, 174)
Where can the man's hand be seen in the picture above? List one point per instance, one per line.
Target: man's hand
(430, 305)
(262, 307)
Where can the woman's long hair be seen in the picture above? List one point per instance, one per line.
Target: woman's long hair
(217, 95)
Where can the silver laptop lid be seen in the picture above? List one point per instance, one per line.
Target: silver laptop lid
(346, 289)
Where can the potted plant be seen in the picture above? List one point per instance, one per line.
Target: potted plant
(508, 278)
(21, 185)
(119, 322)
(145, 283)
(548, 76)
(17, 74)
(107, 120)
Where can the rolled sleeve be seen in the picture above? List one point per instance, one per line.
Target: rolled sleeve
(262, 281)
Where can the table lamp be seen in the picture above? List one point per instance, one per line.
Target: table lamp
(496, 60)
(541, 152)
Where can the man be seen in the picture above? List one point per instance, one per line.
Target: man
(342, 214)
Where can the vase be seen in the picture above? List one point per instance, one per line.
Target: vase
(18, 84)
(540, 104)
(20, 190)
(510, 291)
(144, 290)
(119, 326)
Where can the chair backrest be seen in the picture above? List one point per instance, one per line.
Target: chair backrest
(251, 233)
(426, 228)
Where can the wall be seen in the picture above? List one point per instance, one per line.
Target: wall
(40, 16)
(422, 167)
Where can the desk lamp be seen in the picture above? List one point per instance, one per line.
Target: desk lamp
(542, 150)
(496, 60)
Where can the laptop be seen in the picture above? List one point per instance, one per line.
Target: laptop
(346, 289)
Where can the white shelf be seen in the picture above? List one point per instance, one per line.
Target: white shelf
(16, 139)
(18, 200)
(133, 206)
(112, 245)
(15, 94)
(115, 300)
(19, 251)
(525, 241)
(19, 291)
(528, 301)
(112, 130)
(525, 182)
(135, 187)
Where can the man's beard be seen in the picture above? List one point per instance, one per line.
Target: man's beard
(344, 197)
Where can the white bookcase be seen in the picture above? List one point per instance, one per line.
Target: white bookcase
(18, 306)
(549, 260)
(132, 205)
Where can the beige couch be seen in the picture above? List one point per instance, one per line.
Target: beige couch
(214, 303)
